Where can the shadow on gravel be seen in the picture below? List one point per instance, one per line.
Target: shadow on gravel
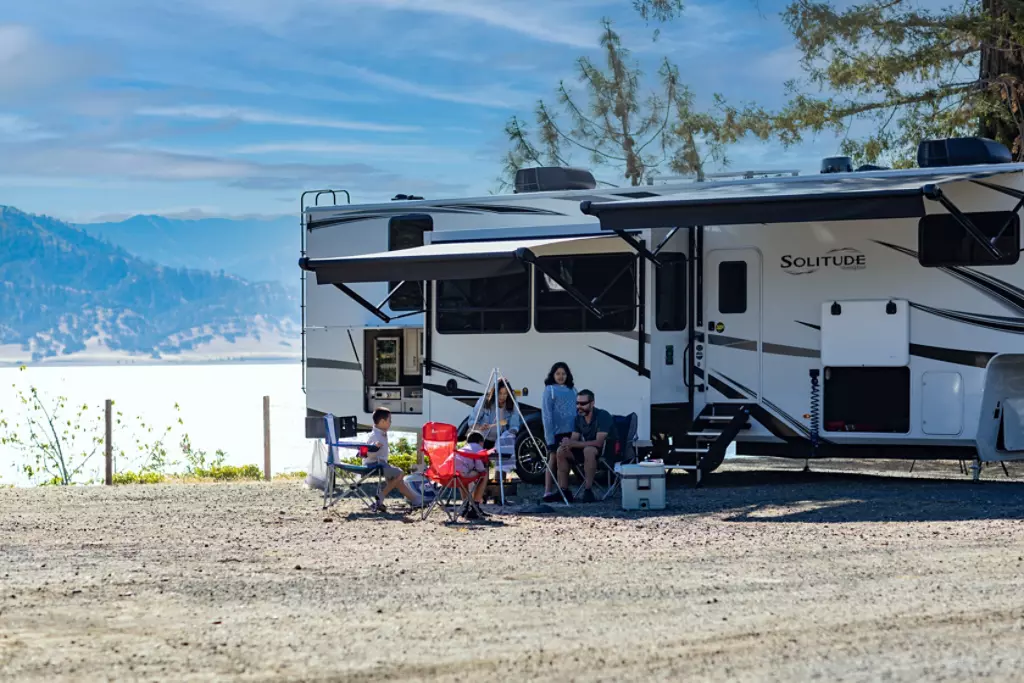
(787, 494)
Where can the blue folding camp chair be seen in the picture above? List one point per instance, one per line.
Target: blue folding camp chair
(354, 477)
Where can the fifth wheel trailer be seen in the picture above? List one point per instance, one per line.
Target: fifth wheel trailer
(861, 314)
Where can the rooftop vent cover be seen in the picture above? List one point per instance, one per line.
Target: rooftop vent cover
(961, 152)
(551, 178)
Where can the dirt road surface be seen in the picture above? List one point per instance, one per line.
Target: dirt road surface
(767, 574)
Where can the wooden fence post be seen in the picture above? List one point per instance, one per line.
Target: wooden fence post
(266, 438)
(108, 442)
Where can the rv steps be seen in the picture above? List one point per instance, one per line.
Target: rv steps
(711, 434)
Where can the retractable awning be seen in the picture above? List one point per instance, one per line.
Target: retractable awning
(444, 261)
(828, 197)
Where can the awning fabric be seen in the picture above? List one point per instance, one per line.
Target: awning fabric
(801, 199)
(444, 261)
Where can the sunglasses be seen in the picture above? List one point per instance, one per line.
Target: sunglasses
(582, 404)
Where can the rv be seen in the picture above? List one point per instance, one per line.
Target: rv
(855, 313)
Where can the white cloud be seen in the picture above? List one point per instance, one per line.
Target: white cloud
(17, 129)
(28, 63)
(254, 116)
(64, 161)
(543, 22)
(406, 153)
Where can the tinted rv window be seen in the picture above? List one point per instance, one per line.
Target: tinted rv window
(406, 232)
(670, 293)
(612, 277)
(496, 305)
(941, 241)
(732, 287)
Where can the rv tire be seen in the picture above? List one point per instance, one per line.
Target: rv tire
(531, 459)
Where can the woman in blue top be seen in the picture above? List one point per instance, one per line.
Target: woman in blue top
(558, 410)
(486, 416)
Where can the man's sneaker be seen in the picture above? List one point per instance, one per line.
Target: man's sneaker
(471, 513)
(379, 507)
(588, 496)
(553, 497)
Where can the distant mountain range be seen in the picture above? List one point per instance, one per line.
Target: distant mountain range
(67, 294)
(254, 249)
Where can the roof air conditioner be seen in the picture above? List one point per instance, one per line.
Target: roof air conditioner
(961, 152)
(551, 178)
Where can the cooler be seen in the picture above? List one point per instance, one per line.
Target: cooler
(643, 486)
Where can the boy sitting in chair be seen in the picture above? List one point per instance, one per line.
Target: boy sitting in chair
(379, 456)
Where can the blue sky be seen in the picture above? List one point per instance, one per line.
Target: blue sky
(233, 107)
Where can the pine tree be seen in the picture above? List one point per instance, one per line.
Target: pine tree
(910, 73)
(618, 125)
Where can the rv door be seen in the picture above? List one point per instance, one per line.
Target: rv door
(732, 324)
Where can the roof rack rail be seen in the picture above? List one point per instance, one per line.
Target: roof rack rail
(746, 175)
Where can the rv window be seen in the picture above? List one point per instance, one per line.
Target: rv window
(941, 241)
(496, 305)
(670, 293)
(612, 277)
(732, 287)
(406, 232)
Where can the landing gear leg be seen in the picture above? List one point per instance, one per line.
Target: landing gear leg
(1005, 471)
(976, 470)
(807, 465)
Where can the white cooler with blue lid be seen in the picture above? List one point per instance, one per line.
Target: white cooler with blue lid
(643, 486)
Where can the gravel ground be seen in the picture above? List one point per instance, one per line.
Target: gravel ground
(767, 573)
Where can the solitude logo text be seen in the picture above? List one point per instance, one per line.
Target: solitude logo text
(846, 258)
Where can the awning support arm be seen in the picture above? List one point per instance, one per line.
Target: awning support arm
(526, 256)
(363, 302)
(671, 234)
(638, 247)
(390, 294)
(611, 283)
(1010, 191)
(934, 192)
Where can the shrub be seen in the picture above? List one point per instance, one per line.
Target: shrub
(122, 478)
(228, 472)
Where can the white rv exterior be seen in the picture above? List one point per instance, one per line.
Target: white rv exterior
(912, 361)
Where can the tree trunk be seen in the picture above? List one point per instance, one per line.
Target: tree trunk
(1002, 72)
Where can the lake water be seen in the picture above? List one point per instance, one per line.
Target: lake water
(221, 407)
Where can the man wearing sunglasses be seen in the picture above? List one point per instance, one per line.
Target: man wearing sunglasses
(593, 426)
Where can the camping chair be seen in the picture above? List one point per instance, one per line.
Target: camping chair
(625, 452)
(438, 444)
(620, 450)
(354, 477)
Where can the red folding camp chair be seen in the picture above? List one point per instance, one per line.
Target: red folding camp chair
(438, 444)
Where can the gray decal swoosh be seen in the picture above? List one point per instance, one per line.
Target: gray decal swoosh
(333, 364)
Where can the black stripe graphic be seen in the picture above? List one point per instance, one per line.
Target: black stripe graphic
(1007, 294)
(629, 364)
(434, 365)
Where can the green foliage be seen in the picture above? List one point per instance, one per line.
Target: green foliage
(401, 454)
(56, 441)
(228, 473)
(636, 127)
(196, 459)
(129, 477)
(907, 72)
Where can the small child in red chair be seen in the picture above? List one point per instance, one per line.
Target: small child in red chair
(469, 467)
(392, 474)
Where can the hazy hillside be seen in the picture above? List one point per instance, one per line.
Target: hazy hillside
(254, 249)
(63, 291)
